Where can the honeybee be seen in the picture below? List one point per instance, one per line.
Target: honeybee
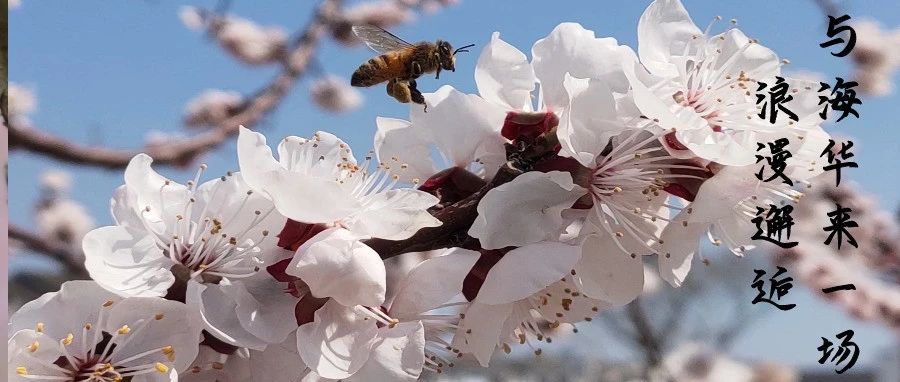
(401, 63)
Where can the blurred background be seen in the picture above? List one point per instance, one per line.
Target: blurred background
(93, 82)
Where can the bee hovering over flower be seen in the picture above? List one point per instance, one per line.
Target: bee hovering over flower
(401, 63)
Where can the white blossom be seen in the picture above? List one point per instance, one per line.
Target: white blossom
(211, 108)
(335, 95)
(84, 332)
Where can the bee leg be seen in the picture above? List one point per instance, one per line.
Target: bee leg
(415, 70)
(400, 91)
(416, 95)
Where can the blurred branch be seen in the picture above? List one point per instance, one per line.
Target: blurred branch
(646, 334)
(60, 253)
(183, 152)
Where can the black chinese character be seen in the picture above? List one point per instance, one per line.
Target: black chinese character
(836, 164)
(840, 221)
(777, 288)
(777, 161)
(778, 97)
(838, 288)
(847, 348)
(834, 29)
(840, 100)
(777, 220)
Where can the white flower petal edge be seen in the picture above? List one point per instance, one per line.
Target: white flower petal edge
(338, 342)
(433, 282)
(524, 271)
(609, 274)
(335, 264)
(504, 76)
(526, 210)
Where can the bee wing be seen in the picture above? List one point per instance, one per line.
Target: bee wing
(378, 39)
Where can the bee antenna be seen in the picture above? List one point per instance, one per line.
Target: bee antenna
(463, 49)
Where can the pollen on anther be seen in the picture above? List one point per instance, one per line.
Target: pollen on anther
(68, 340)
(124, 330)
(34, 347)
(108, 303)
(39, 327)
(21, 370)
(169, 352)
(160, 367)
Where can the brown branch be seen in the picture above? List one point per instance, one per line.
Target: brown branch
(456, 219)
(183, 152)
(647, 336)
(60, 253)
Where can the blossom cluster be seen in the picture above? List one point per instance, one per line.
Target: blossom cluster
(577, 167)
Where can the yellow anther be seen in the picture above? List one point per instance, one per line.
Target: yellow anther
(160, 367)
(68, 340)
(124, 330)
(21, 370)
(169, 353)
(39, 327)
(108, 303)
(34, 347)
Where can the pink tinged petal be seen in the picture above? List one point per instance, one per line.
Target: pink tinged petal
(573, 49)
(338, 342)
(504, 76)
(664, 30)
(126, 264)
(394, 214)
(168, 323)
(480, 330)
(609, 274)
(526, 210)
(432, 283)
(652, 106)
(62, 312)
(680, 244)
(217, 312)
(464, 127)
(398, 354)
(588, 120)
(719, 195)
(335, 264)
(396, 138)
(524, 271)
(307, 199)
(255, 158)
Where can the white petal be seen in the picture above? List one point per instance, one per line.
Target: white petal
(397, 355)
(217, 311)
(464, 127)
(562, 303)
(38, 362)
(740, 55)
(680, 244)
(609, 274)
(524, 271)
(263, 307)
(719, 195)
(255, 157)
(480, 331)
(664, 30)
(504, 76)
(394, 214)
(573, 49)
(396, 138)
(278, 363)
(338, 341)
(335, 264)
(526, 210)
(433, 282)
(307, 199)
(125, 264)
(63, 312)
(588, 120)
(168, 323)
(164, 198)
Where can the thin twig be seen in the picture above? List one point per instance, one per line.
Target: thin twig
(60, 253)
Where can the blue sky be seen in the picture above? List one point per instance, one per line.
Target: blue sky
(108, 72)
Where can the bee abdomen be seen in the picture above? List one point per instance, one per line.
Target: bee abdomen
(374, 71)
